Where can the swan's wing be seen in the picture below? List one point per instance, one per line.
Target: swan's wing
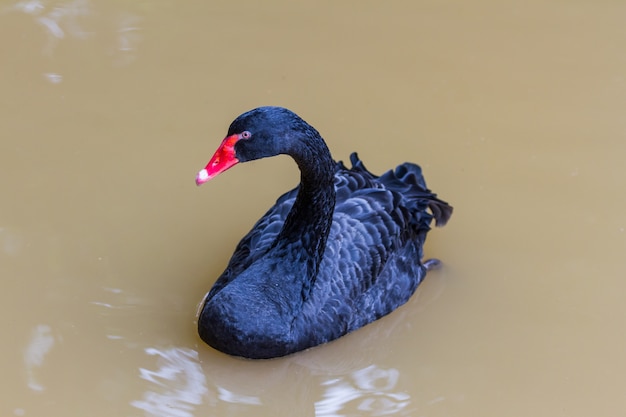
(376, 216)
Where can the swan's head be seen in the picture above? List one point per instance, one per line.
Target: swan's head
(258, 133)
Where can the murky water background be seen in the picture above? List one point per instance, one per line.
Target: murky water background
(515, 111)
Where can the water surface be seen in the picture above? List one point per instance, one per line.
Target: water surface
(515, 112)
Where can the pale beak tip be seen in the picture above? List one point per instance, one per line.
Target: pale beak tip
(202, 177)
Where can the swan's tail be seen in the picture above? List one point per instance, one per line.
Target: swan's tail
(407, 179)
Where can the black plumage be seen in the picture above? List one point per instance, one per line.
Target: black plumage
(341, 250)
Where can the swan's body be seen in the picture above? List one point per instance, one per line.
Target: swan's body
(341, 250)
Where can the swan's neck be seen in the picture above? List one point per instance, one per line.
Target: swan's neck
(308, 223)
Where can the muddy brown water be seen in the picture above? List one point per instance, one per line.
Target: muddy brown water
(515, 112)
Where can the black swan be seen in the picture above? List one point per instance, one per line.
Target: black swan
(339, 251)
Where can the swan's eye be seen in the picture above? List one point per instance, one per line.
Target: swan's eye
(246, 135)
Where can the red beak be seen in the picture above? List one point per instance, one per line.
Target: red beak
(223, 159)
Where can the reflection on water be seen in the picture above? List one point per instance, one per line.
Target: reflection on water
(61, 20)
(176, 387)
(40, 344)
(234, 398)
(122, 300)
(57, 18)
(327, 381)
(53, 78)
(370, 388)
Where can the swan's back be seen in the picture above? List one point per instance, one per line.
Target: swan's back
(372, 263)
